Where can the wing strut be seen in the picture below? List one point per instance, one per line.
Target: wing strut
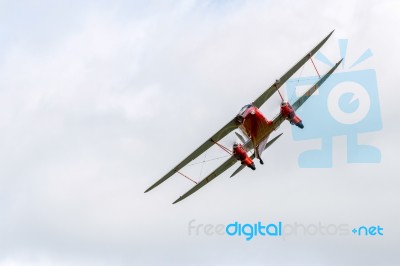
(186, 177)
(224, 148)
(312, 61)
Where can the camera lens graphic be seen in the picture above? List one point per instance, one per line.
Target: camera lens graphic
(348, 103)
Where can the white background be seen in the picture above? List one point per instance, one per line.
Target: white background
(100, 99)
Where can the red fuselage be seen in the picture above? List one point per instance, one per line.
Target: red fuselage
(258, 128)
(254, 124)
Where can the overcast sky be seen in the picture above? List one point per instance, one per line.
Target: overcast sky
(99, 99)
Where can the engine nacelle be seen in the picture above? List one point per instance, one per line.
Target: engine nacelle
(241, 155)
(288, 112)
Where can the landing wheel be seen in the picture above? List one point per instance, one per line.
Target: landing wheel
(261, 161)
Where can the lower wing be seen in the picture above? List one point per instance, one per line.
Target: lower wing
(222, 168)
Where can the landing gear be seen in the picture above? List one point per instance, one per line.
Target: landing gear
(261, 161)
(252, 166)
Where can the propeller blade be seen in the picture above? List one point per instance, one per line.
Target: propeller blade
(241, 138)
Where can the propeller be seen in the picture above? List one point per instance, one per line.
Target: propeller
(242, 139)
(238, 138)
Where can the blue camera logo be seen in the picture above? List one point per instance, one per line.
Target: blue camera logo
(346, 105)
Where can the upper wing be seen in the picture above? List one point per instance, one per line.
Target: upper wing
(269, 92)
(203, 147)
(227, 164)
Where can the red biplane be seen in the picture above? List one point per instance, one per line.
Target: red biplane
(254, 125)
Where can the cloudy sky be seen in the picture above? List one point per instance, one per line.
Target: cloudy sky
(99, 99)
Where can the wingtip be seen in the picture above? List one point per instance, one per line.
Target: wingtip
(329, 35)
(178, 200)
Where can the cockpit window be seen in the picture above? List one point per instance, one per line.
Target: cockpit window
(244, 108)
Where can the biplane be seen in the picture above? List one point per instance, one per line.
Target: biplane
(255, 126)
